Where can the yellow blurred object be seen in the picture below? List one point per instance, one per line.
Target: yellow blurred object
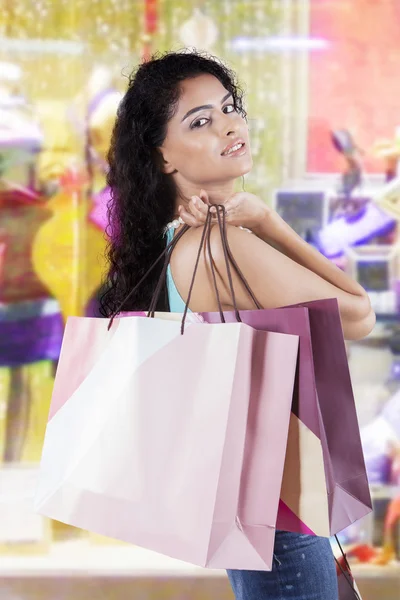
(40, 380)
(38, 377)
(62, 144)
(387, 555)
(68, 253)
(102, 540)
(388, 198)
(4, 389)
(387, 148)
(62, 532)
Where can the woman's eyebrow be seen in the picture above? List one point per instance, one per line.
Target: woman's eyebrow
(204, 107)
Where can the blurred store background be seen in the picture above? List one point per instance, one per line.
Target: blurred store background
(323, 97)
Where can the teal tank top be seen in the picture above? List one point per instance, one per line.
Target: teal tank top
(176, 303)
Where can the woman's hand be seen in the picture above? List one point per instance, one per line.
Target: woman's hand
(242, 209)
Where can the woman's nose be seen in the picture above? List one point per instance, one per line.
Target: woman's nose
(228, 128)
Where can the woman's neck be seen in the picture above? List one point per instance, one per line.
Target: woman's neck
(217, 194)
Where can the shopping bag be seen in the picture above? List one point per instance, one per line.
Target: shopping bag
(172, 442)
(325, 486)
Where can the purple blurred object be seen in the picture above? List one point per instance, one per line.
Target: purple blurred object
(29, 332)
(378, 438)
(345, 232)
(391, 412)
(98, 214)
(20, 138)
(379, 469)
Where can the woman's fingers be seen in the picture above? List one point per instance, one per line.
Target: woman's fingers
(188, 218)
(231, 205)
(198, 207)
(196, 211)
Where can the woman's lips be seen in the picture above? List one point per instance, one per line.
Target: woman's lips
(237, 149)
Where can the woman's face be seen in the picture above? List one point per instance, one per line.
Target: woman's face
(207, 141)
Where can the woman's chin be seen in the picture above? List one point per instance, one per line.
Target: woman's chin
(245, 166)
(238, 171)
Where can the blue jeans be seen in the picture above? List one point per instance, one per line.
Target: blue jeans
(304, 569)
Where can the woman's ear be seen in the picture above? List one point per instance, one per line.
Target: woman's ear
(166, 165)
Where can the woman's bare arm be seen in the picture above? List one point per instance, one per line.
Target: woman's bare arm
(300, 275)
(275, 230)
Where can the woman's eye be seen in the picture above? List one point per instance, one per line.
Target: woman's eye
(229, 108)
(198, 123)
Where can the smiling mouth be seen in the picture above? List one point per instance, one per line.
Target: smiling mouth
(235, 150)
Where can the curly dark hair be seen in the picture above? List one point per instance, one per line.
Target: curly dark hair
(142, 196)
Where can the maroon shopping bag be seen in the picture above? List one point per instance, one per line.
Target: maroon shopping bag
(348, 589)
(325, 486)
(347, 586)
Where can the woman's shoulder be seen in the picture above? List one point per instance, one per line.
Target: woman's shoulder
(242, 244)
(195, 242)
(194, 248)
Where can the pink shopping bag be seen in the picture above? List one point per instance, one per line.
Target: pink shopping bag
(172, 442)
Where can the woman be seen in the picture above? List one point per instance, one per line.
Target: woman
(179, 143)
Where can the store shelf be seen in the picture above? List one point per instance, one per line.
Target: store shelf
(388, 317)
(389, 572)
(82, 559)
(384, 492)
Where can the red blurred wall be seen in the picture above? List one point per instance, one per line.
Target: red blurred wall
(355, 83)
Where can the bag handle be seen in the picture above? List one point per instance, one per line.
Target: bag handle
(236, 266)
(212, 266)
(165, 252)
(206, 231)
(220, 210)
(205, 242)
(230, 260)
